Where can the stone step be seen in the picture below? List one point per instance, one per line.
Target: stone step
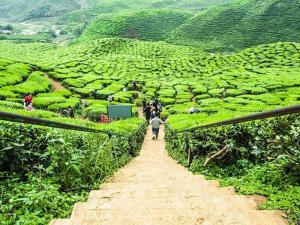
(171, 216)
(61, 222)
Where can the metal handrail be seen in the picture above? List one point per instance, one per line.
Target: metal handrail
(256, 116)
(48, 123)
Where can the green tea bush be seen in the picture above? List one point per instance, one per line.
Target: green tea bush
(36, 83)
(94, 112)
(5, 94)
(73, 83)
(9, 79)
(35, 113)
(72, 102)
(198, 90)
(45, 102)
(262, 157)
(198, 98)
(12, 105)
(216, 92)
(182, 108)
(39, 164)
(56, 93)
(167, 101)
(166, 93)
(234, 92)
(254, 90)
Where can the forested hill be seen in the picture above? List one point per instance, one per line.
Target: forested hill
(75, 9)
(33, 9)
(242, 24)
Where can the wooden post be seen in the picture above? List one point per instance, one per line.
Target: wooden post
(190, 157)
(189, 149)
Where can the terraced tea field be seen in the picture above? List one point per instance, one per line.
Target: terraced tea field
(221, 86)
(253, 80)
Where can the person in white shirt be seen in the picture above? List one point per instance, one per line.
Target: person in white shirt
(156, 122)
(110, 98)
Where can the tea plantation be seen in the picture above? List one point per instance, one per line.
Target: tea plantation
(241, 24)
(45, 171)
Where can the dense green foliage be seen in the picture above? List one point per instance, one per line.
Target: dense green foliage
(44, 172)
(155, 25)
(241, 24)
(24, 9)
(263, 158)
(63, 21)
(256, 79)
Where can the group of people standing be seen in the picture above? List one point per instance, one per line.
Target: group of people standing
(152, 111)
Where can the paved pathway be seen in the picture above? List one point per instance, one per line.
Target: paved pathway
(154, 190)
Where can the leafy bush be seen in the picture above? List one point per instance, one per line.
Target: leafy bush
(45, 171)
(36, 83)
(94, 112)
(263, 158)
(45, 102)
(167, 101)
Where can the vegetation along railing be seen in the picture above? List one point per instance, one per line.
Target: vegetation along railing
(48, 123)
(256, 116)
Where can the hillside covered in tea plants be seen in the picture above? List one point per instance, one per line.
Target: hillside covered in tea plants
(152, 25)
(165, 48)
(241, 24)
(229, 27)
(255, 79)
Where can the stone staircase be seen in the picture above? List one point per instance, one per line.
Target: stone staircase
(154, 190)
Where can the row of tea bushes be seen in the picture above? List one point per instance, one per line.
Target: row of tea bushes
(262, 157)
(44, 172)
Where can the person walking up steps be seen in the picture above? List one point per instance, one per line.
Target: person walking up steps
(147, 112)
(156, 122)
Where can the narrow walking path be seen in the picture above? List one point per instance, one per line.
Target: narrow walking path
(57, 86)
(154, 190)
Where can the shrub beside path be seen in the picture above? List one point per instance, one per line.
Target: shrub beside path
(154, 190)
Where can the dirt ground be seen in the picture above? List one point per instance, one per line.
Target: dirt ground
(55, 84)
(154, 189)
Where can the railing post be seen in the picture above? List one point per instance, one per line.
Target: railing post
(189, 150)
(190, 157)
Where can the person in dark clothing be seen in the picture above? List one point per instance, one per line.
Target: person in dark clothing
(69, 112)
(194, 110)
(147, 112)
(155, 106)
(134, 86)
(144, 104)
